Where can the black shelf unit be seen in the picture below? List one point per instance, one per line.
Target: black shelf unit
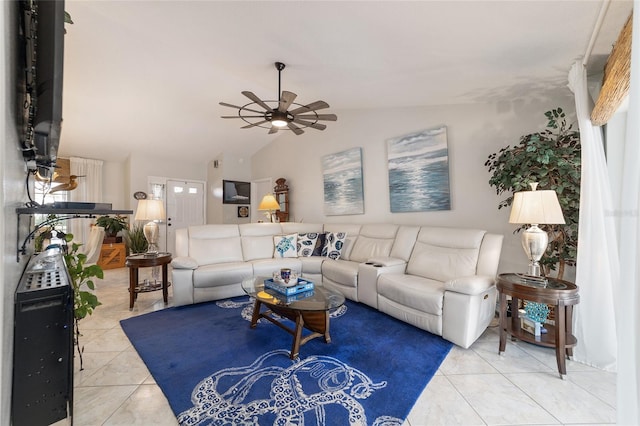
(43, 343)
(61, 214)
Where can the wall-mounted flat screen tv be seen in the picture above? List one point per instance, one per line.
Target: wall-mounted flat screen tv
(236, 192)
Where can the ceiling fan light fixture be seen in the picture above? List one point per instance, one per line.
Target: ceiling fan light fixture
(279, 116)
(279, 119)
(278, 122)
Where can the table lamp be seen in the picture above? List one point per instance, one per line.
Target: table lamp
(269, 204)
(151, 210)
(535, 208)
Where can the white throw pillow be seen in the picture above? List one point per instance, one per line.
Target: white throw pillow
(306, 243)
(285, 245)
(334, 244)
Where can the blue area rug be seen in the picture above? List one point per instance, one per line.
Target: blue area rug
(214, 369)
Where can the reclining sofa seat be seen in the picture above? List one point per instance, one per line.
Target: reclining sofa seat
(209, 264)
(448, 286)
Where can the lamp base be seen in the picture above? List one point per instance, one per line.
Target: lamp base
(534, 243)
(151, 233)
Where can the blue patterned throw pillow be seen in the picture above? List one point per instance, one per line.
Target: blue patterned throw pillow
(319, 248)
(334, 244)
(307, 243)
(285, 245)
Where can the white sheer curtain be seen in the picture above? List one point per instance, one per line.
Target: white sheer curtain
(628, 296)
(597, 270)
(89, 190)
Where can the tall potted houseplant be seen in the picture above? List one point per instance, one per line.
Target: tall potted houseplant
(551, 158)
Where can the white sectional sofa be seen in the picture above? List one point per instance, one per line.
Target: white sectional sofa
(438, 279)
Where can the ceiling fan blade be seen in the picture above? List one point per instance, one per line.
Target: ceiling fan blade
(313, 106)
(257, 100)
(327, 117)
(254, 124)
(273, 129)
(286, 100)
(310, 124)
(238, 107)
(244, 116)
(297, 130)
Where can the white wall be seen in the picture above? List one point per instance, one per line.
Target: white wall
(13, 195)
(114, 176)
(474, 132)
(230, 167)
(139, 167)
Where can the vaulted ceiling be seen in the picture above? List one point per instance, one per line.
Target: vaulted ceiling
(148, 76)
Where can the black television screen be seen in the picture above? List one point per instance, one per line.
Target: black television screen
(43, 33)
(235, 192)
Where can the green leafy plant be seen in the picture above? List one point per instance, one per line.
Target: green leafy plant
(551, 158)
(112, 225)
(135, 240)
(84, 302)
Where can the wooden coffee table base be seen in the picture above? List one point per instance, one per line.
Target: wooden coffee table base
(315, 321)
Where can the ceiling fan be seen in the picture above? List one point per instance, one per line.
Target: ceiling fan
(277, 116)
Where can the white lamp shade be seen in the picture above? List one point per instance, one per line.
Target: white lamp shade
(269, 202)
(536, 207)
(150, 210)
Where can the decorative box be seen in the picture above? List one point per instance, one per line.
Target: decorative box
(301, 286)
(530, 326)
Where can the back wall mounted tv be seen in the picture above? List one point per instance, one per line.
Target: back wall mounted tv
(236, 192)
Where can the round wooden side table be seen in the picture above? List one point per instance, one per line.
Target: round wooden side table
(558, 293)
(146, 261)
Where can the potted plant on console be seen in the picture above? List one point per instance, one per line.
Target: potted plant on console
(112, 226)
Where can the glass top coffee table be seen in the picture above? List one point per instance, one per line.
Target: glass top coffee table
(309, 310)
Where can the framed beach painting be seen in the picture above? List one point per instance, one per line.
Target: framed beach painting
(343, 188)
(419, 171)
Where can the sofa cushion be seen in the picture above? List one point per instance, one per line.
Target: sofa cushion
(374, 240)
(343, 272)
(442, 254)
(365, 248)
(312, 264)
(257, 239)
(334, 244)
(221, 274)
(307, 243)
(266, 267)
(285, 245)
(419, 293)
(215, 250)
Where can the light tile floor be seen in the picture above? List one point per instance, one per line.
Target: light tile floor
(473, 386)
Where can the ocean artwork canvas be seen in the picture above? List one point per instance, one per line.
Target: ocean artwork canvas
(419, 171)
(343, 188)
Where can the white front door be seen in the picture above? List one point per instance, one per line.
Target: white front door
(185, 207)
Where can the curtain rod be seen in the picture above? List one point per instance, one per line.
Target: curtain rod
(596, 31)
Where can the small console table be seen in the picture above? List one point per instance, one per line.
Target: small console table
(561, 294)
(145, 261)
